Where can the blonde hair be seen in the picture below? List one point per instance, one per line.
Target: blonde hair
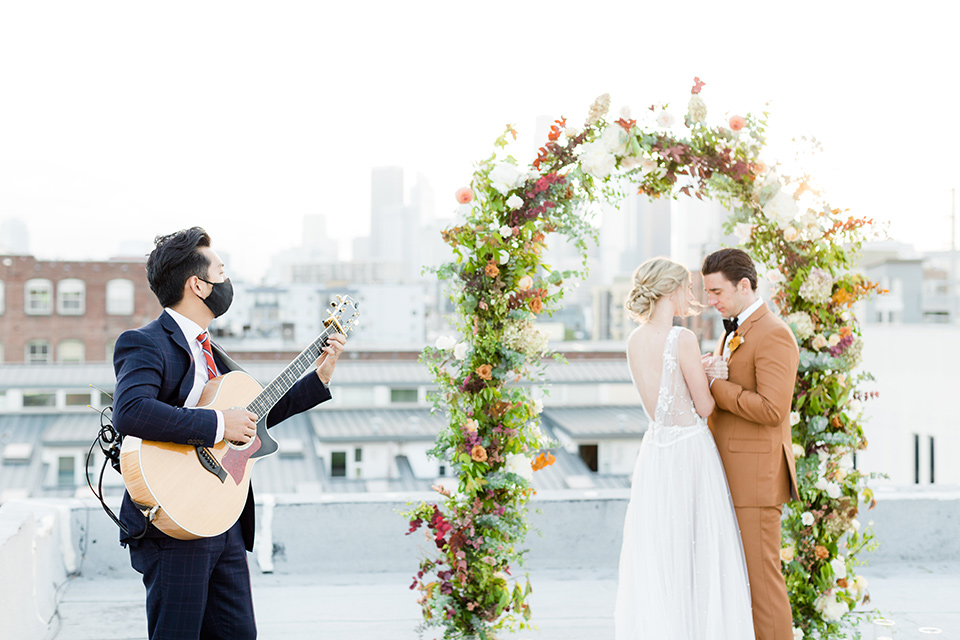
(652, 280)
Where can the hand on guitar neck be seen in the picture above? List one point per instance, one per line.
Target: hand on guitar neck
(239, 425)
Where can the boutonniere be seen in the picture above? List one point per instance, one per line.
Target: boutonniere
(735, 342)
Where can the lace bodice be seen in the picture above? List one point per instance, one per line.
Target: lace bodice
(674, 404)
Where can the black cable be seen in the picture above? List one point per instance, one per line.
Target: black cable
(109, 440)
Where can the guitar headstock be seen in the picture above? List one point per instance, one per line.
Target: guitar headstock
(344, 314)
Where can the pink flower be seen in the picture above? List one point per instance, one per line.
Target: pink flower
(737, 123)
(464, 195)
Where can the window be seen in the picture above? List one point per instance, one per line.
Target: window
(338, 464)
(358, 455)
(39, 399)
(403, 395)
(78, 399)
(70, 351)
(71, 297)
(588, 453)
(38, 297)
(442, 471)
(932, 458)
(120, 297)
(65, 471)
(916, 458)
(3, 290)
(38, 352)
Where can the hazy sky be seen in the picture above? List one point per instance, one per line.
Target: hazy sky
(121, 120)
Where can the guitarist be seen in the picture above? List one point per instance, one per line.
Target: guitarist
(196, 589)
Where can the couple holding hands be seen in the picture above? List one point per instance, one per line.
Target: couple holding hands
(701, 541)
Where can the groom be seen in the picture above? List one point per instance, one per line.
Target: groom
(751, 426)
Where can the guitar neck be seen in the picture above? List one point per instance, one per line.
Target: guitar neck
(271, 394)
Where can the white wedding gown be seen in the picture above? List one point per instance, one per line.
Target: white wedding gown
(682, 570)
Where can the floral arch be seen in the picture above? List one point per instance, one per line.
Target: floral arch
(501, 286)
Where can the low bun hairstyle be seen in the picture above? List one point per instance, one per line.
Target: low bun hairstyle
(652, 280)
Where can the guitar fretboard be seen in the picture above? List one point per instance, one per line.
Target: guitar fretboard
(272, 393)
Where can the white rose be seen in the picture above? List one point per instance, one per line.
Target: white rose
(614, 139)
(625, 112)
(596, 161)
(697, 109)
(781, 208)
(794, 418)
(773, 276)
(504, 256)
(859, 586)
(535, 431)
(806, 518)
(840, 475)
(524, 283)
(519, 464)
(505, 176)
(571, 132)
(854, 525)
(834, 490)
(446, 342)
(538, 405)
(471, 425)
(839, 567)
(665, 118)
(821, 484)
(790, 234)
(797, 634)
(514, 201)
(855, 407)
(833, 339)
(797, 451)
(819, 342)
(460, 350)
(506, 231)
(531, 174)
(630, 162)
(743, 231)
(648, 165)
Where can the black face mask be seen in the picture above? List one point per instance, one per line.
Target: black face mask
(220, 298)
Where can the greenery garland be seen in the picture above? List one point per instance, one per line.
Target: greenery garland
(501, 285)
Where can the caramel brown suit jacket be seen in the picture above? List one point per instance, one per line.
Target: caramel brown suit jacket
(751, 424)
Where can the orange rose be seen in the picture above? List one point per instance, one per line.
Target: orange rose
(492, 269)
(478, 453)
(485, 371)
(821, 552)
(536, 305)
(842, 583)
(845, 331)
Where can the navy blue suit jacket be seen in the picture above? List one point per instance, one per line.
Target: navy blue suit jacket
(155, 373)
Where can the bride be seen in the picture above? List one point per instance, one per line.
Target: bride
(682, 569)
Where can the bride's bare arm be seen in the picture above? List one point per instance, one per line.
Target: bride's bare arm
(693, 374)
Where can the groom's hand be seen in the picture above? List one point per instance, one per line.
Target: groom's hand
(715, 367)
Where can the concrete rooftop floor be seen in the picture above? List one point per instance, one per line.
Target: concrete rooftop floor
(567, 605)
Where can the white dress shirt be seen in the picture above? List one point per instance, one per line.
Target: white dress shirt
(746, 313)
(190, 331)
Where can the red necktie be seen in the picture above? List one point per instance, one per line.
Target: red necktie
(204, 341)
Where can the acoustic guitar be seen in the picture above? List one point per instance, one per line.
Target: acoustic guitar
(191, 492)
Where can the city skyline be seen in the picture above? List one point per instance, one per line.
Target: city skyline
(127, 121)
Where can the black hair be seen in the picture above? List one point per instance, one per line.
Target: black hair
(174, 260)
(734, 264)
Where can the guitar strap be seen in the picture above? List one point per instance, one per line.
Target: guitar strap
(227, 360)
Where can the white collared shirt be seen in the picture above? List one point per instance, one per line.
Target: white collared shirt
(190, 331)
(746, 313)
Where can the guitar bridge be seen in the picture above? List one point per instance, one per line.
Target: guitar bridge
(210, 463)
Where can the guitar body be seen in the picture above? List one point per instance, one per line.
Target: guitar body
(197, 498)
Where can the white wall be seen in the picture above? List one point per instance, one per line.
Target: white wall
(917, 371)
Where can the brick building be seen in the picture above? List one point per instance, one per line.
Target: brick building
(63, 312)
